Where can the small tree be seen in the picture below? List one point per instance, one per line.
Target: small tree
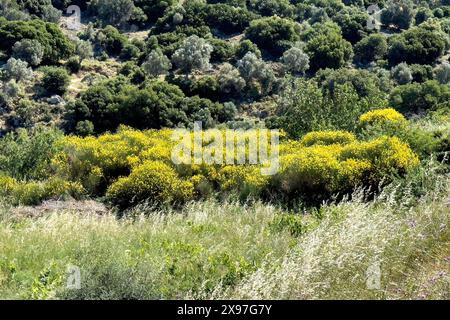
(253, 69)
(248, 66)
(50, 14)
(55, 80)
(423, 14)
(246, 46)
(156, 64)
(73, 64)
(18, 70)
(371, 48)
(399, 13)
(84, 128)
(130, 52)
(422, 45)
(273, 34)
(402, 73)
(419, 97)
(327, 48)
(28, 50)
(442, 73)
(228, 112)
(295, 61)
(194, 54)
(115, 12)
(11, 89)
(177, 18)
(84, 49)
(10, 10)
(230, 81)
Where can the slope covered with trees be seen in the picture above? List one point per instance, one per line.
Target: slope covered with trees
(88, 108)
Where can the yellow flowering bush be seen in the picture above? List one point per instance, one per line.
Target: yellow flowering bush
(246, 180)
(154, 181)
(387, 155)
(337, 167)
(309, 169)
(132, 166)
(327, 138)
(382, 117)
(96, 162)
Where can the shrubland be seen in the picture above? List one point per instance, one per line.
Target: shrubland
(132, 166)
(87, 175)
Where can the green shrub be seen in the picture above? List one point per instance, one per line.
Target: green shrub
(304, 107)
(293, 223)
(55, 44)
(421, 45)
(244, 47)
(419, 97)
(129, 52)
(153, 9)
(55, 81)
(112, 40)
(228, 19)
(222, 50)
(27, 155)
(371, 48)
(421, 73)
(34, 192)
(273, 34)
(73, 64)
(327, 48)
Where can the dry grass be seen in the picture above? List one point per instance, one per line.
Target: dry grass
(410, 244)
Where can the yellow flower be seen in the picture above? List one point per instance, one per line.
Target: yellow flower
(382, 116)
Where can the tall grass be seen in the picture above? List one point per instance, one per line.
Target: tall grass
(230, 250)
(409, 244)
(161, 255)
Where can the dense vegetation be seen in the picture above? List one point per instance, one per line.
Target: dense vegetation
(87, 115)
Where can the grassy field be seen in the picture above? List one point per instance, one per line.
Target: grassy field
(233, 250)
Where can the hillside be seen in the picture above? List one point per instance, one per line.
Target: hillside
(224, 149)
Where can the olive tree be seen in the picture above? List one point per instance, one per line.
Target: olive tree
(156, 64)
(84, 49)
(442, 73)
(255, 71)
(230, 81)
(295, 61)
(28, 50)
(193, 54)
(11, 89)
(114, 12)
(17, 69)
(401, 73)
